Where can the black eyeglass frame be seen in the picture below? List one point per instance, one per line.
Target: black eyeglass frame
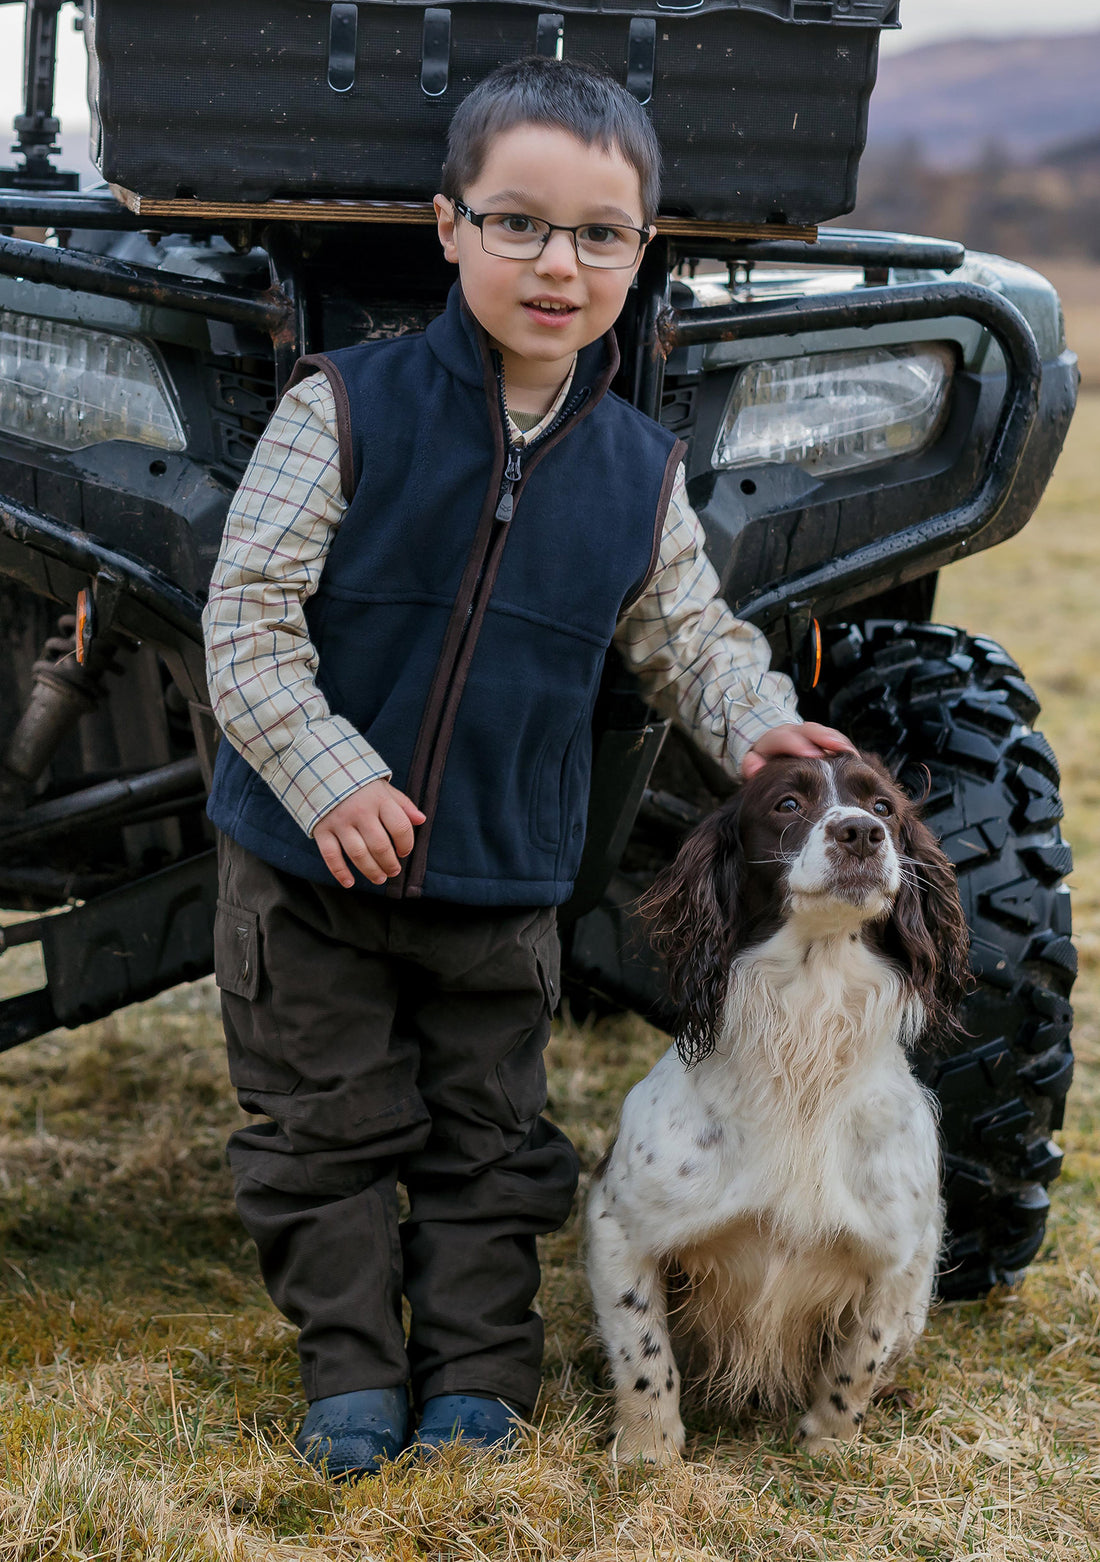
(477, 220)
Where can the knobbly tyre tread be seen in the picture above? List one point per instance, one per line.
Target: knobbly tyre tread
(953, 713)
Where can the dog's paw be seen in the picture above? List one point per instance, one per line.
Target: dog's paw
(650, 1443)
(814, 1443)
(815, 1435)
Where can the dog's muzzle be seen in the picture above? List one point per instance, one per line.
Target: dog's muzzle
(849, 856)
(858, 835)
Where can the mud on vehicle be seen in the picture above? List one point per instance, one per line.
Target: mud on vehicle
(861, 409)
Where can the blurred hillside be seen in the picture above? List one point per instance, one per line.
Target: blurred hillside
(952, 100)
(992, 141)
(1046, 206)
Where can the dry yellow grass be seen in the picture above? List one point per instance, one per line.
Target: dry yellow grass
(147, 1388)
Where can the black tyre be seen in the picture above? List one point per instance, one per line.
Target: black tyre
(928, 697)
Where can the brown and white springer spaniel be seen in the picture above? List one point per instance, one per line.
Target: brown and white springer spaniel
(773, 1192)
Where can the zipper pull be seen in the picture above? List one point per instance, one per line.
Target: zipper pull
(512, 475)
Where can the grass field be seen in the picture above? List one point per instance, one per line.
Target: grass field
(1078, 284)
(147, 1388)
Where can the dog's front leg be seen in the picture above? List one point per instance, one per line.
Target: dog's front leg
(890, 1321)
(629, 1295)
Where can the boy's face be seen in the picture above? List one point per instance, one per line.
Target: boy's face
(543, 172)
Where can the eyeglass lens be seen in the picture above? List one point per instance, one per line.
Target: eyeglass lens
(511, 235)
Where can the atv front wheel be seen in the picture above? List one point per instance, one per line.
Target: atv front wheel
(952, 714)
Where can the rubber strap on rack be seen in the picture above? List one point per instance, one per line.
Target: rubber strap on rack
(549, 34)
(343, 32)
(435, 60)
(641, 52)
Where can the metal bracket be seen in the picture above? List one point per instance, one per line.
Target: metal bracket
(37, 127)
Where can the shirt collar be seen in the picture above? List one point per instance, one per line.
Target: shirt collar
(518, 436)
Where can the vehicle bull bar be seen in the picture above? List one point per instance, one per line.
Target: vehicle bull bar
(902, 556)
(278, 312)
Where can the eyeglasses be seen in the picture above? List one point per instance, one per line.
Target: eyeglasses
(515, 236)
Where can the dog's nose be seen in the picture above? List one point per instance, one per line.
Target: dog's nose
(859, 837)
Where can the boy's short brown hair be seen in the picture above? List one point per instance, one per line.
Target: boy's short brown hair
(565, 94)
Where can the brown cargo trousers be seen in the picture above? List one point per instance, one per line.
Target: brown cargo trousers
(391, 1042)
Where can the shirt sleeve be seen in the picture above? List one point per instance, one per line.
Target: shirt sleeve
(261, 665)
(697, 663)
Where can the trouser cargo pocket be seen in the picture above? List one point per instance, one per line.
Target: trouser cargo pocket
(521, 1073)
(251, 1036)
(237, 950)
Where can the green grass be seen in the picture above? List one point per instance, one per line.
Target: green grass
(147, 1387)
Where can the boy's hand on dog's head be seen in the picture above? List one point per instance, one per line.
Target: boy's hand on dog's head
(372, 829)
(798, 739)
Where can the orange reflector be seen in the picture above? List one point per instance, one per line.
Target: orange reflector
(815, 631)
(85, 611)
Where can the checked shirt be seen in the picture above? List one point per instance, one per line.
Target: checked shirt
(695, 661)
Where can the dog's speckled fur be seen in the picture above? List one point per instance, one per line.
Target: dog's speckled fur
(780, 1166)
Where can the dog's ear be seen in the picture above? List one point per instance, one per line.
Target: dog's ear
(927, 932)
(694, 916)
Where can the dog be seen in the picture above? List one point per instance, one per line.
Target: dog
(771, 1203)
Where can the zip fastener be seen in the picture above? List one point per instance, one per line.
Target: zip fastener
(502, 515)
(512, 474)
(513, 471)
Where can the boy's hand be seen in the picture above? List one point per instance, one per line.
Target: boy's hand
(806, 738)
(371, 829)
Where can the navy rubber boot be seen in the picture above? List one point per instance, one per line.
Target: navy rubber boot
(479, 1421)
(349, 1435)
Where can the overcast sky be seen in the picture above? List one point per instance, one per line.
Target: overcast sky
(922, 21)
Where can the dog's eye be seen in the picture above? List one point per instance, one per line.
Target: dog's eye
(787, 805)
(883, 807)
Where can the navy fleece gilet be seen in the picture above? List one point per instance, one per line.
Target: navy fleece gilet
(497, 752)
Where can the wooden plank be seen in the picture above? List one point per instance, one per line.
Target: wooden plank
(277, 211)
(683, 228)
(406, 212)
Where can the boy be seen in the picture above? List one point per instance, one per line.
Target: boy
(412, 725)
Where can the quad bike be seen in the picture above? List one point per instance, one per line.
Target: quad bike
(861, 410)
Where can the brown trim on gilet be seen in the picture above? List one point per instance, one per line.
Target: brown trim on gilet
(318, 363)
(676, 455)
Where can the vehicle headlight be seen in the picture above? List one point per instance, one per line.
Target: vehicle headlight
(828, 412)
(69, 387)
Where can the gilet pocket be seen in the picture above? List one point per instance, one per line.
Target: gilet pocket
(545, 812)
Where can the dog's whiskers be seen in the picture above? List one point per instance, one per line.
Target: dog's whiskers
(912, 874)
